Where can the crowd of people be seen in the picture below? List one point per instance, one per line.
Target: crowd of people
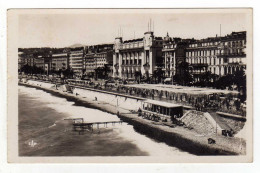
(228, 103)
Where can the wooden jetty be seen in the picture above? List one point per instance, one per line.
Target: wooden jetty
(80, 126)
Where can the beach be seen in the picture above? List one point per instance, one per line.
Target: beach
(41, 120)
(182, 138)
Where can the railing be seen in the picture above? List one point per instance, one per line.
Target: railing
(231, 54)
(155, 113)
(132, 45)
(200, 65)
(148, 93)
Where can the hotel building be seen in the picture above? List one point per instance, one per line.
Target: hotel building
(76, 60)
(60, 61)
(98, 56)
(173, 54)
(137, 56)
(30, 59)
(218, 55)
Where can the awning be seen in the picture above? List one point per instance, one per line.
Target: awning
(168, 80)
(160, 103)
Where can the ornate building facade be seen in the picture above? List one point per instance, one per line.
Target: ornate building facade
(60, 61)
(137, 56)
(218, 55)
(173, 54)
(76, 60)
(98, 56)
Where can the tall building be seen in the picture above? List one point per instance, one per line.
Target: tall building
(26, 59)
(39, 62)
(47, 57)
(76, 60)
(98, 56)
(232, 52)
(173, 54)
(137, 56)
(21, 61)
(60, 61)
(218, 55)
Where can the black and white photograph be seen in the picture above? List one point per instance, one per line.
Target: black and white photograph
(130, 85)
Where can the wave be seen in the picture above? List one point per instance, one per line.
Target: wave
(62, 106)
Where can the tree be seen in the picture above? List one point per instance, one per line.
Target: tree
(99, 73)
(224, 81)
(183, 76)
(102, 72)
(138, 76)
(27, 69)
(238, 79)
(68, 73)
(158, 75)
(107, 70)
(207, 79)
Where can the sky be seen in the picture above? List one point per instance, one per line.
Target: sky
(95, 27)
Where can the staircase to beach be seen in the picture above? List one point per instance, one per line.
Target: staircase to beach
(205, 123)
(198, 122)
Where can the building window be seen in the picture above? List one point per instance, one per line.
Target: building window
(147, 56)
(225, 60)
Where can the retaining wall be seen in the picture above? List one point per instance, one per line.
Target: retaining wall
(115, 100)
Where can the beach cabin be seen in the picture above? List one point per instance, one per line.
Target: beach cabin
(158, 110)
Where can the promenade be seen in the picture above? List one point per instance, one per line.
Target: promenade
(202, 99)
(178, 136)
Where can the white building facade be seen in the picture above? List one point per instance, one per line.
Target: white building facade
(136, 56)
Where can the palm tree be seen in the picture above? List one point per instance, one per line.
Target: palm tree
(207, 78)
(158, 75)
(138, 76)
(183, 75)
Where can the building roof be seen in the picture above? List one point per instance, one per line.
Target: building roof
(59, 54)
(182, 89)
(160, 103)
(133, 40)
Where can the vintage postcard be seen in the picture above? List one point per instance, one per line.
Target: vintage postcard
(130, 85)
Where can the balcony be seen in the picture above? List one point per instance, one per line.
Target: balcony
(242, 54)
(233, 63)
(116, 65)
(146, 66)
(200, 65)
(133, 45)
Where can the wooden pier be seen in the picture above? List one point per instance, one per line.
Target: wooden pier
(81, 126)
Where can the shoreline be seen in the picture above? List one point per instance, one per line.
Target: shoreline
(179, 137)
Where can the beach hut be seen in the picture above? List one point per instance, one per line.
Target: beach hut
(66, 88)
(160, 110)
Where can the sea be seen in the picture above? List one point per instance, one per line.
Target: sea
(44, 132)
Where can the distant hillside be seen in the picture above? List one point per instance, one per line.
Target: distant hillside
(81, 45)
(77, 45)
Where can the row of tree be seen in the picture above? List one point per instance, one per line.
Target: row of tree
(27, 69)
(236, 81)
